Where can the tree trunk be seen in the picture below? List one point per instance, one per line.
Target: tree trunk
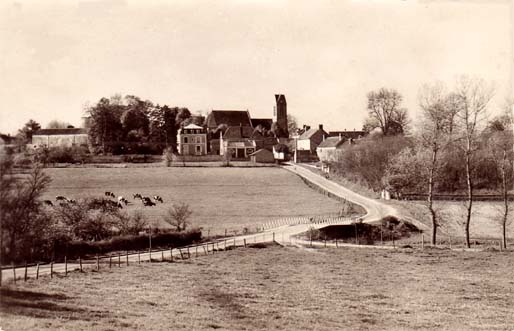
(430, 197)
(505, 200)
(470, 195)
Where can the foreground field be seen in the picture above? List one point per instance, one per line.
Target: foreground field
(277, 288)
(231, 198)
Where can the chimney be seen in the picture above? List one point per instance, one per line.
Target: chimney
(321, 126)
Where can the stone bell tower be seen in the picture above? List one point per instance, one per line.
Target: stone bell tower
(280, 113)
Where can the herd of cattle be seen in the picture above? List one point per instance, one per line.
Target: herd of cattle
(120, 202)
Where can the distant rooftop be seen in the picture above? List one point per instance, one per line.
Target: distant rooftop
(52, 132)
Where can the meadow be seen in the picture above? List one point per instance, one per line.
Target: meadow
(221, 198)
(277, 288)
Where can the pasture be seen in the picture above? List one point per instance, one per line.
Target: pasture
(221, 198)
(277, 288)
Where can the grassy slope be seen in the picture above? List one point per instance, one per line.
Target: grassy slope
(278, 288)
(220, 197)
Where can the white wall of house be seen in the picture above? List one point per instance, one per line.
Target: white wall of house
(304, 144)
(57, 140)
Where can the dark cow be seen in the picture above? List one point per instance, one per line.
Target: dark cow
(110, 194)
(138, 196)
(48, 202)
(60, 198)
(158, 198)
(148, 202)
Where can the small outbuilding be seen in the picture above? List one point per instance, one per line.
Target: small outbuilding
(262, 156)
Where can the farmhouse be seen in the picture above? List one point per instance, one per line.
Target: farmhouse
(192, 140)
(330, 148)
(60, 137)
(310, 139)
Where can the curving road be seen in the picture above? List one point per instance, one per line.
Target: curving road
(283, 234)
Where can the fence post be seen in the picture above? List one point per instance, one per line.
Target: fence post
(181, 256)
(196, 251)
(394, 245)
(188, 253)
(14, 272)
(244, 242)
(25, 278)
(51, 270)
(205, 250)
(310, 237)
(37, 271)
(422, 241)
(381, 235)
(171, 254)
(138, 257)
(119, 259)
(97, 263)
(110, 261)
(150, 245)
(80, 264)
(325, 241)
(356, 235)
(127, 258)
(162, 256)
(65, 266)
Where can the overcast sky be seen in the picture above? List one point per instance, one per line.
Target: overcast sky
(324, 56)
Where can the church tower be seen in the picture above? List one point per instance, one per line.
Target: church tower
(280, 113)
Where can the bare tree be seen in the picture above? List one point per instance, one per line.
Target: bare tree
(178, 216)
(437, 114)
(501, 145)
(473, 96)
(385, 112)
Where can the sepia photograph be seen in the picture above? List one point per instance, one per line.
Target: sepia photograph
(256, 165)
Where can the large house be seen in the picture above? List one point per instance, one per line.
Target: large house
(68, 137)
(192, 140)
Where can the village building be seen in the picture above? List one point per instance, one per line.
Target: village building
(237, 142)
(330, 149)
(310, 139)
(192, 140)
(262, 156)
(68, 137)
(348, 134)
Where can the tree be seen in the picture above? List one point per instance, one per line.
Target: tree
(105, 124)
(56, 124)
(436, 123)
(22, 221)
(384, 111)
(473, 96)
(25, 133)
(501, 149)
(182, 115)
(178, 216)
(292, 124)
(162, 125)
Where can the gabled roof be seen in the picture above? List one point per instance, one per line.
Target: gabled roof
(264, 122)
(311, 132)
(331, 142)
(51, 132)
(236, 132)
(229, 117)
(347, 134)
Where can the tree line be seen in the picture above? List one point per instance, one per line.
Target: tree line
(452, 147)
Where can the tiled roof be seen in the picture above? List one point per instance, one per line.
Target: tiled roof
(193, 126)
(311, 132)
(264, 122)
(331, 142)
(228, 117)
(51, 132)
(262, 151)
(234, 132)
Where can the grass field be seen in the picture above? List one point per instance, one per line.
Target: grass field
(231, 198)
(277, 288)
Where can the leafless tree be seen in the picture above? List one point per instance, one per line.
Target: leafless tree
(385, 112)
(501, 149)
(473, 96)
(436, 125)
(178, 216)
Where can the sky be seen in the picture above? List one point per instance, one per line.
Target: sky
(325, 56)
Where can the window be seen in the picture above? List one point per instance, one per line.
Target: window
(198, 149)
(185, 140)
(198, 140)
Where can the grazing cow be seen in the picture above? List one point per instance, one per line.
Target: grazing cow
(158, 198)
(122, 199)
(148, 202)
(48, 202)
(138, 196)
(60, 198)
(110, 194)
(120, 205)
(73, 201)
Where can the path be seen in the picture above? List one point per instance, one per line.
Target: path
(284, 235)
